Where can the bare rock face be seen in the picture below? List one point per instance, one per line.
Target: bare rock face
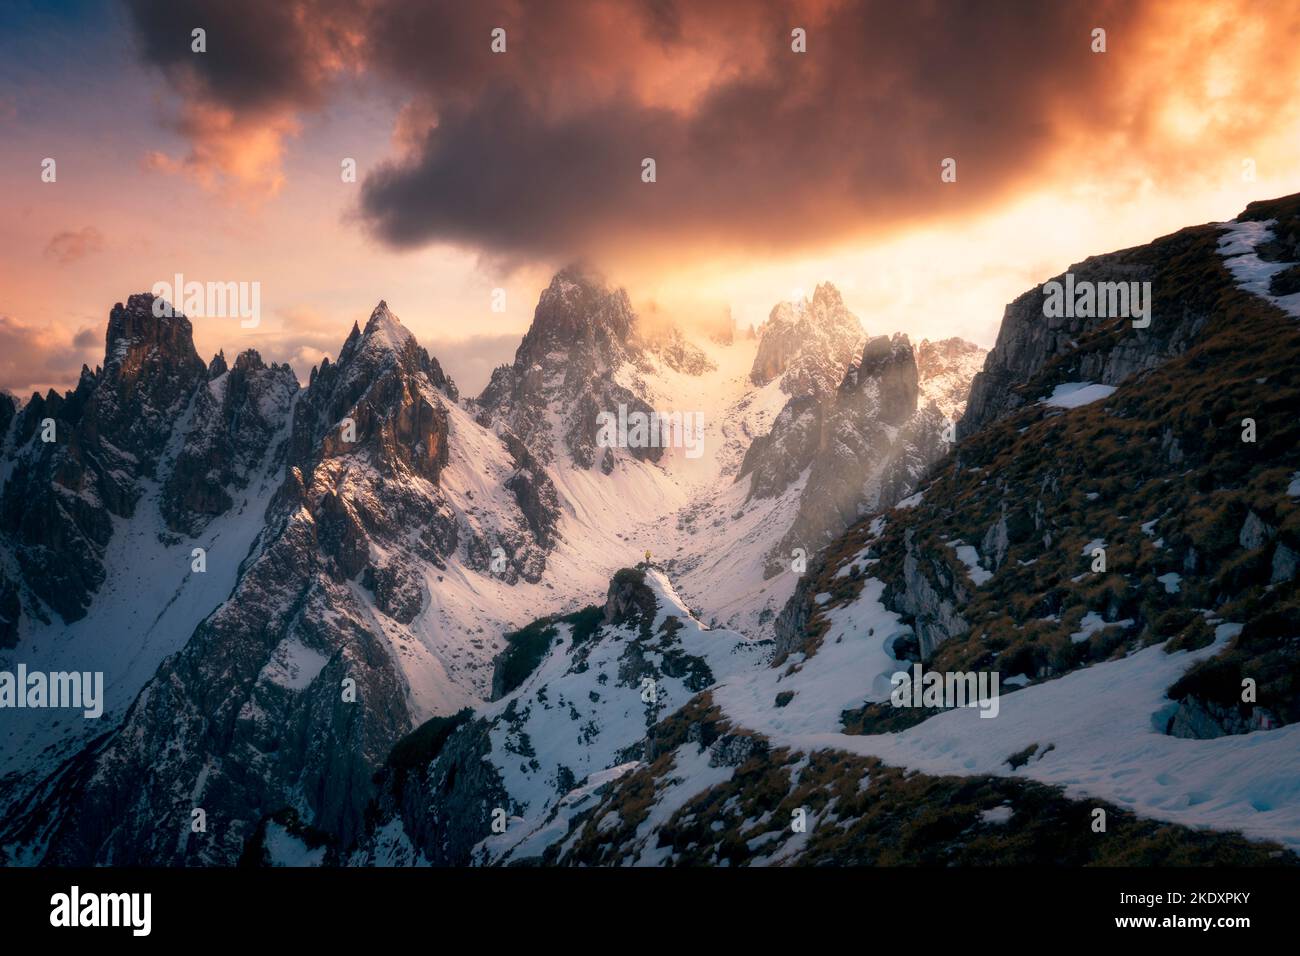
(150, 373)
(871, 422)
(8, 412)
(10, 611)
(777, 459)
(806, 345)
(866, 441)
(629, 601)
(1197, 719)
(888, 373)
(535, 493)
(932, 595)
(443, 800)
(381, 397)
(864, 446)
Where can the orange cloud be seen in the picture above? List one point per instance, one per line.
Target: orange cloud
(229, 154)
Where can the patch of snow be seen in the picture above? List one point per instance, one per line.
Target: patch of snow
(968, 556)
(293, 665)
(1092, 623)
(1076, 394)
(285, 849)
(1099, 720)
(997, 815)
(1237, 246)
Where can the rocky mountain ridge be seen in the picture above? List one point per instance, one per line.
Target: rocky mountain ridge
(291, 692)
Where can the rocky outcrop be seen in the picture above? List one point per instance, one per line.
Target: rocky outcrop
(1031, 344)
(444, 802)
(11, 610)
(629, 601)
(872, 447)
(609, 675)
(866, 443)
(535, 493)
(776, 460)
(380, 396)
(932, 595)
(8, 412)
(1197, 719)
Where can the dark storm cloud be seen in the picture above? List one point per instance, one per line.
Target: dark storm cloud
(791, 150)
(260, 54)
(537, 152)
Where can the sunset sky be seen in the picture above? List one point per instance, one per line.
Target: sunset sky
(776, 170)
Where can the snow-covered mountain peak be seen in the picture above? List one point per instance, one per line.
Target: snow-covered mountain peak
(385, 327)
(808, 345)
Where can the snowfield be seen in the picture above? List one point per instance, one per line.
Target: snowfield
(1103, 722)
(1077, 394)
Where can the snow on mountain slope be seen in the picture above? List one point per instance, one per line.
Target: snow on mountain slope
(1270, 279)
(683, 509)
(575, 722)
(393, 534)
(1104, 725)
(597, 692)
(944, 372)
(149, 604)
(716, 537)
